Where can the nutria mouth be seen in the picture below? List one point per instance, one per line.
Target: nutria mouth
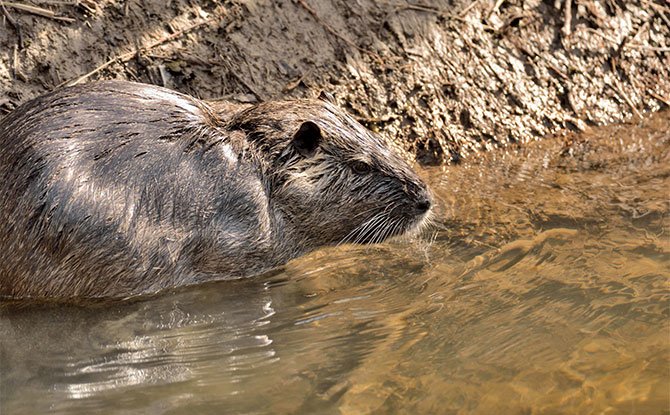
(117, 188)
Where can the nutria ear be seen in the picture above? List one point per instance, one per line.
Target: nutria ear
(307, 139)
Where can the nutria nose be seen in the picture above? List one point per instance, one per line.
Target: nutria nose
(423, 205)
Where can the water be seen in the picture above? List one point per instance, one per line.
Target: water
(541, 289)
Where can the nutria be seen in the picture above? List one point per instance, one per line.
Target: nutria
(117, 188)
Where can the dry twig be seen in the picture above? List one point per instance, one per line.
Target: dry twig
(241, 80)
(412, 7)
(295, 83)
(617, 88)
(664, 100)
(37, 11)
(237, 76)
(17, 65)
(495, 8)
(467, 9)
(567, 21)
(13, 22)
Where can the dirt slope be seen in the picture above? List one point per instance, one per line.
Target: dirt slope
(441, 79)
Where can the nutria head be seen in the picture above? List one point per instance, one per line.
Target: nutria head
(330, 180)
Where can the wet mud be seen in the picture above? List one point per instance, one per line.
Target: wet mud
(442, 80)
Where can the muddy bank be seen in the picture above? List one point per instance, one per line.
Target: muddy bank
(443, 80)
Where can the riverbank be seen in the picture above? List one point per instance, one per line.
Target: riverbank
(443, 82)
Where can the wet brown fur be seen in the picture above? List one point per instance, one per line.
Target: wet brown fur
(115, 188)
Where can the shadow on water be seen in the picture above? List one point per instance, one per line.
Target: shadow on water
(542, 288)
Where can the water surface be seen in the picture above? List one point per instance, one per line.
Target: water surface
(542, 288)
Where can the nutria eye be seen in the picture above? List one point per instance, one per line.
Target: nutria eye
(360, 168)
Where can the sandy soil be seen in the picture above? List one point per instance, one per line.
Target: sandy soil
(443, 79)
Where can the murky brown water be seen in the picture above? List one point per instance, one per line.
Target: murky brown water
(542, 289)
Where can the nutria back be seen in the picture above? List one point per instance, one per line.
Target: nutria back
(117, 188)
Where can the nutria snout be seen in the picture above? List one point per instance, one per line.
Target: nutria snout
(117, 188)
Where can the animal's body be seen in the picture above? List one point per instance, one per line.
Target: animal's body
(117, 188)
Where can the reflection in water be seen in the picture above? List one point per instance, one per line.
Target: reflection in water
(543, 288)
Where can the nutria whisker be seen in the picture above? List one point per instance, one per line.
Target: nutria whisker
(364, 229)
(393, 231)
(378, 230)
(361, 231)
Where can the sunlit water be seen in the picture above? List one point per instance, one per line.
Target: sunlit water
(542, 288)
